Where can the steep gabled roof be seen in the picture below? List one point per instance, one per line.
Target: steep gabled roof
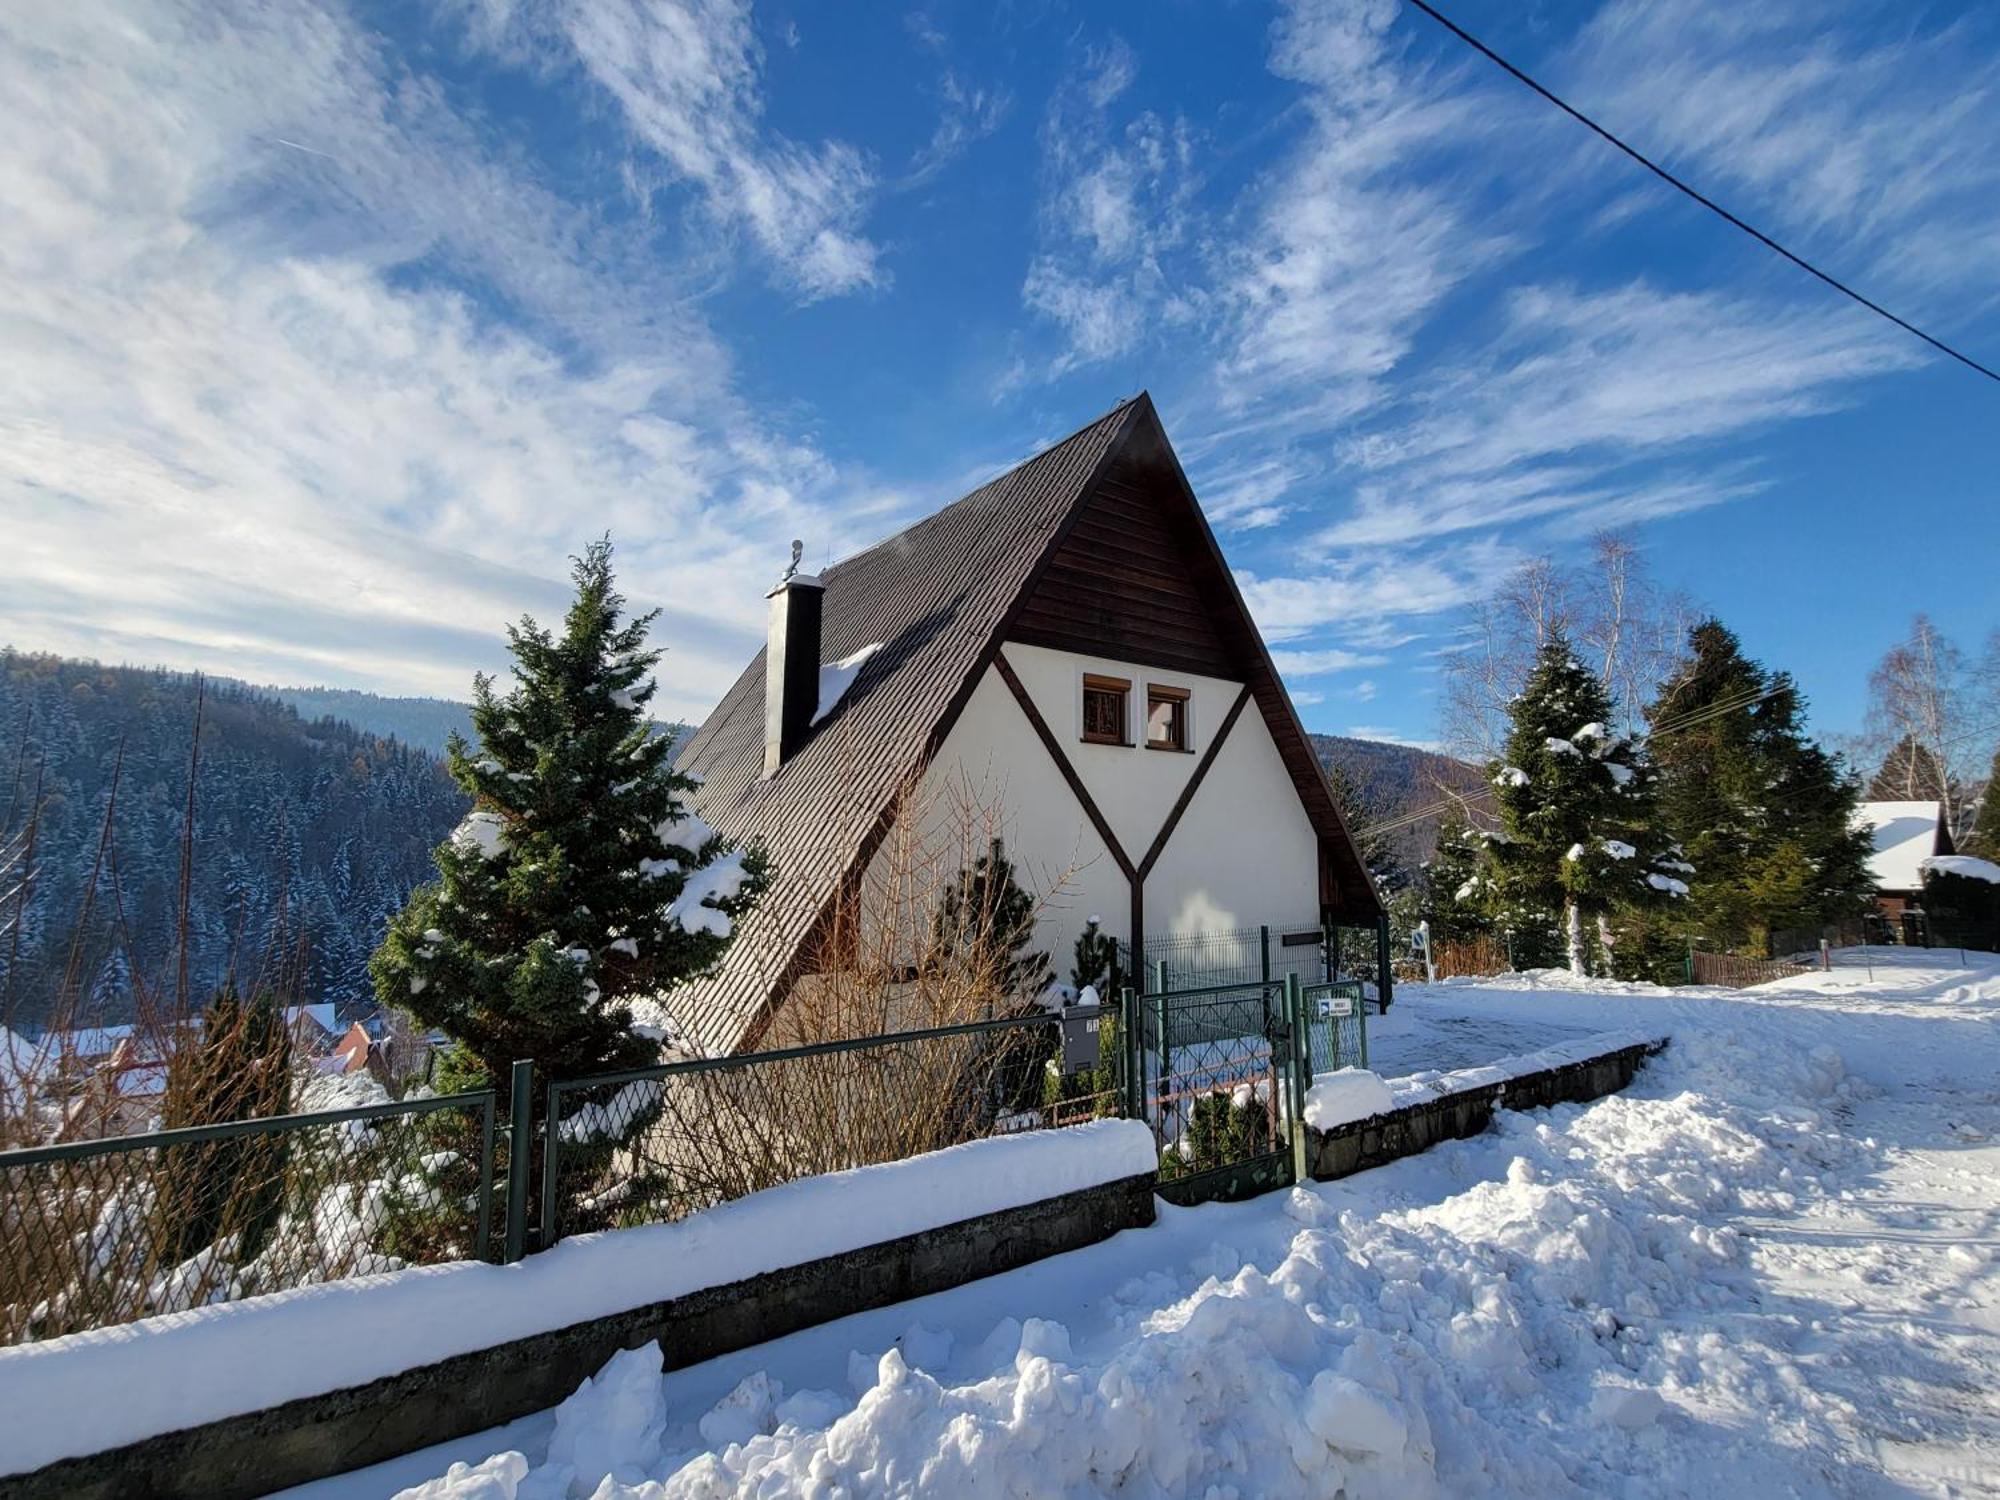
(1905, 834)
(939, 597)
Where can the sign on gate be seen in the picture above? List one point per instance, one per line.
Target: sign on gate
(1335, 1007)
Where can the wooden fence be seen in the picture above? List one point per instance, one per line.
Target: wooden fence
(1737, 973)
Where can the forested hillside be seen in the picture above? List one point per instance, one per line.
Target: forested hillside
(1393, 780)
(423, 722)
(307, 834)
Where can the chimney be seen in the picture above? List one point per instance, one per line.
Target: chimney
(791, 664)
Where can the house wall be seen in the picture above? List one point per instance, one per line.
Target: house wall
(1243, 853)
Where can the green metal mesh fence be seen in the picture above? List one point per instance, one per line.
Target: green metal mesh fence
(103, 1232)
(657, 1144)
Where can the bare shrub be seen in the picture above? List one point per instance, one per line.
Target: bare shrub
(904, 949)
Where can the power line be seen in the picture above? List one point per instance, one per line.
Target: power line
(1706, 202)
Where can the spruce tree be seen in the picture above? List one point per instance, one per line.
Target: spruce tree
(1575, 804)
(1910, 773)
(986, 920)
(1458, 887)
(1984, 840)
(1095, 963)
(580, 879)
(1764, 814)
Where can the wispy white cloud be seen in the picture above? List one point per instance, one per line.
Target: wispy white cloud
(1388, 736)
(1114, 210)
(314, 462)
(687, 76)
(1373, 591)
(1321, 663)
(1350, 249)
(1869, 145)
(969, 114)
(1548, 419)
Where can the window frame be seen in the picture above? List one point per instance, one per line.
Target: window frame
(1098, 682)
(1162, 692)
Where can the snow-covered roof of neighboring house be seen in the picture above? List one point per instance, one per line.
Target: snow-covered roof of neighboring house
(1964, 866)
(85, 1042)
(1905, 834)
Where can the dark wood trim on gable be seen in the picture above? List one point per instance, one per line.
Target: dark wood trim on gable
(1056, 753)
(794, 965)
(1193, 783)
(1349, 883)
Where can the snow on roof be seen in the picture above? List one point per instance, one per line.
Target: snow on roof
(1905, 835)
(1963, 865)
(836, 677)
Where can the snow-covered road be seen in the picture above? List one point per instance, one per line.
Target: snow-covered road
(1768, 1268)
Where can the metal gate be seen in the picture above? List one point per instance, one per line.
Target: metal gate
(1218, 1071)
(1336, 1022)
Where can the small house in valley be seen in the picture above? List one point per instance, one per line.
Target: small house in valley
(1904, 835)
(1066, 648)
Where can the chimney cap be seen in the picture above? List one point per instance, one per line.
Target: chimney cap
(792, 574)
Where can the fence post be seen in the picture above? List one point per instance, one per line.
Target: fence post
(1690, 962)
(1301, 1071)
(1382, 975)
(551, 1162)
(1826, 955)
(520, 1136)
(1264, 946)
(483, 1239)
(1128, 1021)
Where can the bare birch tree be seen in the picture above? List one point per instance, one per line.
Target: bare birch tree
(1926, 721)
(1631, 632)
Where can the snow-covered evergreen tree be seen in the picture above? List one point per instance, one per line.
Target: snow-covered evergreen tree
(1765, 815)
(1094, 963)
(1575, 804)
(1984, 839)
(580, 879)
(1459, 890)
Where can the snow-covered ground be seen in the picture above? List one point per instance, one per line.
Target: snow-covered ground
(1768, 1268)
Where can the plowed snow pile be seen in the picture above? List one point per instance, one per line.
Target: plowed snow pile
(1766, 1269)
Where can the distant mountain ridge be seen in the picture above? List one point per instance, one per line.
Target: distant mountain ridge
(1395, 780)
(426, 723)
(423, 723)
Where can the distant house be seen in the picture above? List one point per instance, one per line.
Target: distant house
(313, 1029)
(1068, 644)
(1905, 834)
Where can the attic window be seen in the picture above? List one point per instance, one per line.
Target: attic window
(1104, 709)
(1166, 717)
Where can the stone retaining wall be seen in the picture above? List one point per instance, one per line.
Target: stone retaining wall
(1384, 1138)
(251, 1455)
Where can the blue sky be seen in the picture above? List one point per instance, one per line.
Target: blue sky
(332, 331)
